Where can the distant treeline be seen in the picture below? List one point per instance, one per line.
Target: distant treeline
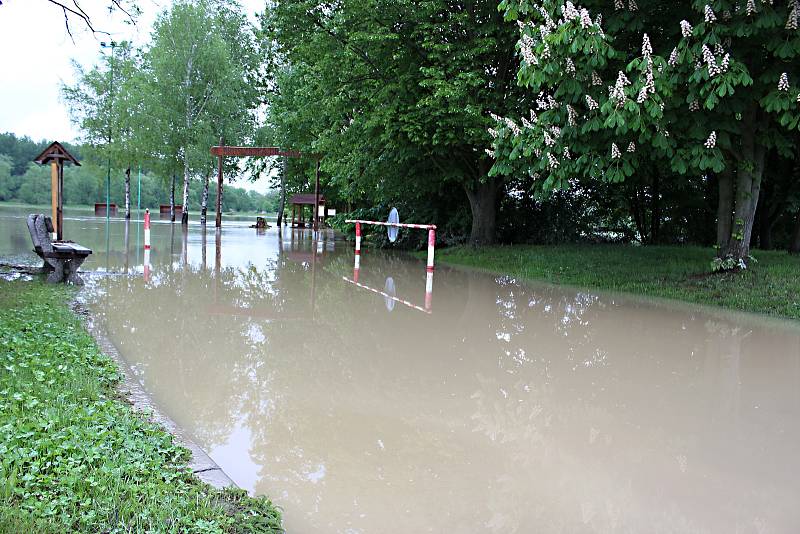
(21, 180)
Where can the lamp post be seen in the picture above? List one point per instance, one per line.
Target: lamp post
(110, 45)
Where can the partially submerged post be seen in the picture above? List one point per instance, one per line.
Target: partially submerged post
(56, 155)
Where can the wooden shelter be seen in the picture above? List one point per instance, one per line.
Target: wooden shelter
(56, 155)
(299, 202)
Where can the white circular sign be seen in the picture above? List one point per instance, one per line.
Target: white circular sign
(392, 231)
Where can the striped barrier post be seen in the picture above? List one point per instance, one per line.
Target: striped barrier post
(356, 267)
(147, 229)
(147, 264)
(429, 291)
(431, 248)
(358, 238)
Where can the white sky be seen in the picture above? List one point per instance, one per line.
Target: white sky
(36, 54)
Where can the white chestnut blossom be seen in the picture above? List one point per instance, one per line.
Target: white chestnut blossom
(615, 153)
(694, 105)
(490, 153)
(711, 62)
(686, 28)
(783, 82)
(596, 80)
(711, 142)
(647, 48)
(632, 5)
(631, 147)
(552, 162)
(591, 103)
(493, 133)
(673, 57)
(791, 20)
(586, 20)
(526, 45)
(548, 140)
(751, 7)
(567, 155)
(571, 114)
(569, 66)
(526, 123)
(709, 14)
(616, 92)
(512, 126)
(619, 4)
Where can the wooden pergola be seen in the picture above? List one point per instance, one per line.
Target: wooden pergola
(56, 155)
(221, 151)
(306, 199)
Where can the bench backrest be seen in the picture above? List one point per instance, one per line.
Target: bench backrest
(38, 227)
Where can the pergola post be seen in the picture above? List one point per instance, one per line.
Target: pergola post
(218, 220)
(55, 154)
(54, 196)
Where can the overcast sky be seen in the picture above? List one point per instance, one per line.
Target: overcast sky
(36, 54)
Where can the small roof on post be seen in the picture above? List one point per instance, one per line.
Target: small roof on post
(55, 151)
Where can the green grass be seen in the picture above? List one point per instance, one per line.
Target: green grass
(771, 286)
(76, 458)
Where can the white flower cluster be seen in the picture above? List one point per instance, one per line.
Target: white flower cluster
(619, 4)
(783, 82)
(571, 114)
(751, 7)
(673, 57)
(591, 103)
(567, 155)
(632, 5)
(572, 12)
(596, 80)
(548, 139)
(512, 126)
(490, 153)
(552, 162)
(545, 102)
(694, 105)
(526, 45)
(791, 20)
(570, 66)
(493, 133)
(686, 28)
(631, 147)
(615, 153)
(711, 62)
(709, 14)
(711, 142)
(616, 92)
(649, 84)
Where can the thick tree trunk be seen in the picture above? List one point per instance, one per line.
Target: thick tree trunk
(724, 211)
(185, 197)
(794, 245)
(748, 188)
(172, 200)
(128, 192)
(483, 203)
(204, 201)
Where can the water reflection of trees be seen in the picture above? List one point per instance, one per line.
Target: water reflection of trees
(590, 413)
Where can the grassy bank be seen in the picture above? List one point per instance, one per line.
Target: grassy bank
(73, 456)
(771, 286)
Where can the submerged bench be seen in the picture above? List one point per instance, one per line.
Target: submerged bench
(63, 258)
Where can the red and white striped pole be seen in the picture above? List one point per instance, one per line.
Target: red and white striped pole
(147, 229)
(431, 247)
(429, 291)
(358, 251)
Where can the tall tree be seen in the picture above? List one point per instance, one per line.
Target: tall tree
(691, 89)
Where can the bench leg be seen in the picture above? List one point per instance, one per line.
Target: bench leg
(71, 271)
(46, 267)
(57, 276)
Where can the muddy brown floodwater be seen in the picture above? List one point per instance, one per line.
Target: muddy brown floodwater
(511, 407)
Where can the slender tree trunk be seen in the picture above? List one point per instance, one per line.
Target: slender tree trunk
(204, 201)
(655, 217)
(185, 198)
(483, 203)
(282, 201)
(794, 246)
(128, 192)
(724, 211)
(636, 212)
(172, 200)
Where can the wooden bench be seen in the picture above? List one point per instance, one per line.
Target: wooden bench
(62, 258)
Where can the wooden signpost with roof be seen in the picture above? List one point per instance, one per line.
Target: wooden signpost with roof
(56, 155)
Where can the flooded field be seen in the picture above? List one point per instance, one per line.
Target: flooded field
(490, 406)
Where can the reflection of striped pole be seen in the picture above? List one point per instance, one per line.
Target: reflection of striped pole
(429, 291)
(358, 239)
(431, 247)
(147, 264)
(146, 230)
(356, 267)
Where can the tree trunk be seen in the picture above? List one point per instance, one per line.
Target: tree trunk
(204, 201)
(748, 188)
(724, 210)
(794, 246)
(128, 192)
(172, 200)
(655, 216)
(483, 203)
(282, 201)
(185, 197)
